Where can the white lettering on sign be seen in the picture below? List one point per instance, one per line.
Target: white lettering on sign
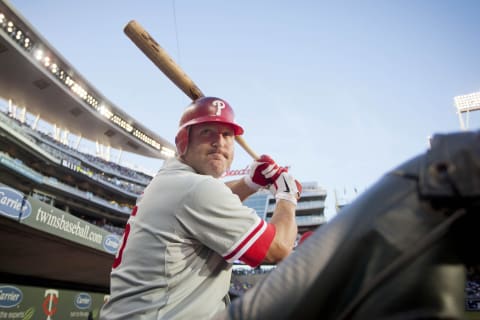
(240, 172)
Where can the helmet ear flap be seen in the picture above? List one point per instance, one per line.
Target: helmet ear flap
(181, 140)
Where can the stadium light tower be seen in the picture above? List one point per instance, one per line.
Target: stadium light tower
(465, 104)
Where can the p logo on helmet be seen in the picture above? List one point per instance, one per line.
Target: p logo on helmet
(206, 109)
(220, 105)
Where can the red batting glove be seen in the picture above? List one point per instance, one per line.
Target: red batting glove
(263, 172)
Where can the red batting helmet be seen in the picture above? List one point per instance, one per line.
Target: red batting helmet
(206, 109)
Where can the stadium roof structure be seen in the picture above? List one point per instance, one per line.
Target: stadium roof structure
(34, 75)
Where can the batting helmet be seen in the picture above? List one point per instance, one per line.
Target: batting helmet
(206, 109)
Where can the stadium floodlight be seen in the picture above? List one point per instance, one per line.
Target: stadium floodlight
(38, 54)
(465, 104)
(105, 112)
(468, 102)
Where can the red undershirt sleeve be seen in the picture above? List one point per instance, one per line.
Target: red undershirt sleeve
(258, 251)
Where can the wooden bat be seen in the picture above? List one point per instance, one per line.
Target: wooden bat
(144, 41)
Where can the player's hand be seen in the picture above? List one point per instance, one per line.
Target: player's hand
(287, 188)
(263, 172)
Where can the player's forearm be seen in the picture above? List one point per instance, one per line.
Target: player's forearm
(240, 188)
(286, 231)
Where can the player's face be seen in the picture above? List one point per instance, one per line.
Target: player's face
(210, 148)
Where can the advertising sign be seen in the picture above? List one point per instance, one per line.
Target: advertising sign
(55, 221)
(42, 216)
(28, 303)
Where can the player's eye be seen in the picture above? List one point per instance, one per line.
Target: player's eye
(206, 132)
(228, 133)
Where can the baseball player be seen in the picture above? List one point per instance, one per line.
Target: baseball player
(179, 244)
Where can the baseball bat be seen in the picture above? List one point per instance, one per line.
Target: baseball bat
(145, 42)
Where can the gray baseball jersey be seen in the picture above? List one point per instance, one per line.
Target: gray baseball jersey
(176, 253)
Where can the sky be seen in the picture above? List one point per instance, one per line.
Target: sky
(340, 91)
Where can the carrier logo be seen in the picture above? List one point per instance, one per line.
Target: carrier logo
(83, 300)
(12, 204)
(10, 296)
(111, 243)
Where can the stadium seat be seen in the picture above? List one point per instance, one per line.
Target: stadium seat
(398, 251)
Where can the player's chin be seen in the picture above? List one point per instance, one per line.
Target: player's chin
(217, 168)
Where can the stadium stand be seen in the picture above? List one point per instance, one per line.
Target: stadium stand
(62, 210)
(472, 289)
(75, 194)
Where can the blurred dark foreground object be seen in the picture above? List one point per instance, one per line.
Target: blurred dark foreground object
(399, 251)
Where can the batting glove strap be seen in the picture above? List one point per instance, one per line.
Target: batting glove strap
(286, 196)
(286, 188)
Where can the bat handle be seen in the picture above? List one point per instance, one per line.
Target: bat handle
(246, 147)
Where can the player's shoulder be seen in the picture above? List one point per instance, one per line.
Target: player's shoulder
(174, 165)
(206, 183)
(195, 184)
(207, 187)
